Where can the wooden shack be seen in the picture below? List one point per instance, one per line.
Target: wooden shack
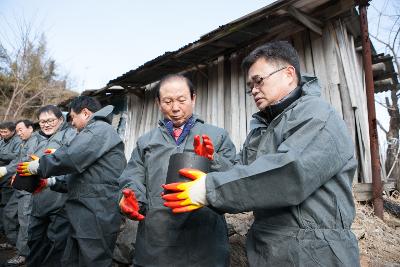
(326, 34)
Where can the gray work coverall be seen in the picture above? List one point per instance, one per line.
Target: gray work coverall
(296, 174)
(197, 238)
(9, 150)
(18, 209)
(48, 224)
(94, 159)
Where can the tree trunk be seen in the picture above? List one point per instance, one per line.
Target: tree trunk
(392, 154)
(11, 103)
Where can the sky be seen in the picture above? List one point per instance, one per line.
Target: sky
(381, 26)
(94, 41)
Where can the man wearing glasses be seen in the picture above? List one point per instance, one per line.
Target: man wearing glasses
(294, 172)
(93, 161)
(48, 224)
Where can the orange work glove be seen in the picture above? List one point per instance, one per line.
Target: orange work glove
(129, 205)
(188, 196)
(28, 168)
(205, 149)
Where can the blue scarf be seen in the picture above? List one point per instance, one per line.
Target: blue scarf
(186, 129)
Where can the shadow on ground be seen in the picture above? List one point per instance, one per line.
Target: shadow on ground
(6, 254)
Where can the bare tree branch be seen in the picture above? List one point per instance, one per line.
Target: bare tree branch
(397, 32)
(383, 105)
(28, 69)
(394, 163)
(381, 126)
(31, 98)
(388, 34)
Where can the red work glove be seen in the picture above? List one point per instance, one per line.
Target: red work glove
(41, 186)
(205, 149)
(130, 206)
(49, 151)
(188, 196)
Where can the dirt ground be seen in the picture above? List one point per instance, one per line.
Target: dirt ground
(379, 241)
(6, 254)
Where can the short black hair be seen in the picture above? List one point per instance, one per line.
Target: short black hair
(169, 77)
(277, 52)
(81, 102)
(27, 123)
(50, 109)
(8, 125)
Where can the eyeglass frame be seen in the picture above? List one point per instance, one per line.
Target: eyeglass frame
(260, 80)
(48, 122)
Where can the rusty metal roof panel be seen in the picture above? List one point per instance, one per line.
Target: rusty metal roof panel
(384, 73)
(234, 35)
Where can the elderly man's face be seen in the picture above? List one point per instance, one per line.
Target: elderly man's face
(269, 83)
(6, 133)
(175, 101)
(23, 132)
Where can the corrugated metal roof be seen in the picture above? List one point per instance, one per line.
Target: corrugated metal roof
(266, 23)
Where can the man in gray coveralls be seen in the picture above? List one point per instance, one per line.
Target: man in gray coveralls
(295, 170)
(164, 239)
(18, 209)
(94, 160)
(9, 149)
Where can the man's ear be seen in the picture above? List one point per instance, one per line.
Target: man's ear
(87, 112)
(291, 72)
(193, 100)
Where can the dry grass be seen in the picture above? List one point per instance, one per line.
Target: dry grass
(379, 240)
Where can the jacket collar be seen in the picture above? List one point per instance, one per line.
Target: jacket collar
(308, 87)
(104, 114)
(196, 118)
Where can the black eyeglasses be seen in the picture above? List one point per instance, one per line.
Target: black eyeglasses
(258, 81)
(49, 122)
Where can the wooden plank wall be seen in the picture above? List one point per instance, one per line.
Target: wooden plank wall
(221, 98)
(351, 66)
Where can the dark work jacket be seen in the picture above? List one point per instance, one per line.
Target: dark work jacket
(94, 159)
(296, 174)
(9, 150)
(198, 238)
(27, 148)
(49, 201)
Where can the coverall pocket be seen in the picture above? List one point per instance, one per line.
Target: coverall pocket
(346, 252)
(320, 253)
(26, 202)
